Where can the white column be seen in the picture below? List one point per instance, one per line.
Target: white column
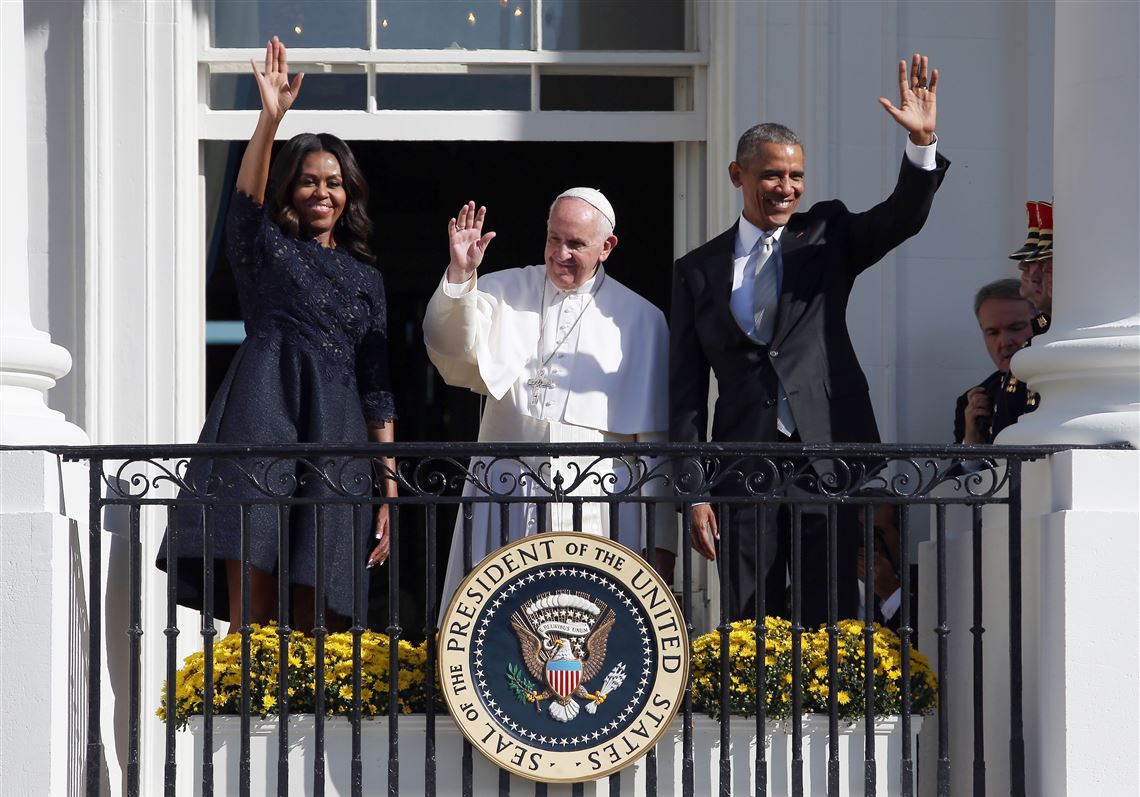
(1087, 368)
(30, 363)
(1088, 373)
(42, 689)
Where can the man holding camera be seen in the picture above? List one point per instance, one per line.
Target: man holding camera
(1005, 318)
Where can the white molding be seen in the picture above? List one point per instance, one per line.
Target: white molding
(189, 236)
(466, 125)
(816, 119)
(145, 358)
(722, 91)
(316, 60)
(153, 335)
(451, 68)
(175, 363)
(690, 180)
(887, 412)
(96, 139)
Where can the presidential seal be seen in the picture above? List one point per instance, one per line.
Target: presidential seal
(563, 657)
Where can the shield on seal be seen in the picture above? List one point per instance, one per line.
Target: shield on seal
(563, 676)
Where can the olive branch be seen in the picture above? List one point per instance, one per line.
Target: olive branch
(520, 685)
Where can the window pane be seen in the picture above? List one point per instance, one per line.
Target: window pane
(604, 93)
(613, 24)
(298, 23)
(453, 92)
(220, 163)
(318, 93)
(453, 24)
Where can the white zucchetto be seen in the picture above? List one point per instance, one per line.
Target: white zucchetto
(594, 197)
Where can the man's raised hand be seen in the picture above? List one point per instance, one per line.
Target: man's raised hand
(917, 111)
(467, 242)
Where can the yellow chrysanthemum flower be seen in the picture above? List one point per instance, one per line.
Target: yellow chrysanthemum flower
(850, 639)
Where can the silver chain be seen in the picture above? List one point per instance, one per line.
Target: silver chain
(542, 322)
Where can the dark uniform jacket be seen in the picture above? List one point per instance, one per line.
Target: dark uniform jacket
(1010, 398)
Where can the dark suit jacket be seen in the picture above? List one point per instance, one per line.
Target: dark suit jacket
(824, 250)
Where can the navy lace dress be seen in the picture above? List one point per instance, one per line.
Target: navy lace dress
(313, 369)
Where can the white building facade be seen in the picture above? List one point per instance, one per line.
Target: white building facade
(116, 122)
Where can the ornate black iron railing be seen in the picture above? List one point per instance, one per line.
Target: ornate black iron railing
(774, 483)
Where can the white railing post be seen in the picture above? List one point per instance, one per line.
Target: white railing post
(43, 623)
(1088, 643)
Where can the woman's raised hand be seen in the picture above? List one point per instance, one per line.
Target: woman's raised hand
(277, 93)
(277, 97)
(467, 242)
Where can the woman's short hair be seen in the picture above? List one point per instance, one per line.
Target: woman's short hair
(354, 227)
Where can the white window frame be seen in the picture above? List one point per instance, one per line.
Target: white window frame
(374, 124)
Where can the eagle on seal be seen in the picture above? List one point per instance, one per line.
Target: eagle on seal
(563, 639)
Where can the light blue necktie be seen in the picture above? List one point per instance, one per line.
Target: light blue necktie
(766, 288)
(765, 302)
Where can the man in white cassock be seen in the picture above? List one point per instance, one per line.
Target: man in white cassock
(564, 353)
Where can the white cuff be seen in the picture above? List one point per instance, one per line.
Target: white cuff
(890, 606)
(457, 290)
(922, 157)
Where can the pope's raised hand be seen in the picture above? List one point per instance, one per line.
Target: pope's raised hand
(917, 111)
(467, 242)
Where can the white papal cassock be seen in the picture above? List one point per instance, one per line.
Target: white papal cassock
(604, 352)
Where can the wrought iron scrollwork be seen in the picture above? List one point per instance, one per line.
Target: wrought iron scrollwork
(609, 474)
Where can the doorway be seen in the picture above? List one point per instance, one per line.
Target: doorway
(415, 188)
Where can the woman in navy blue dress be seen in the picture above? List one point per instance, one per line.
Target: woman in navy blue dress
(313, 369)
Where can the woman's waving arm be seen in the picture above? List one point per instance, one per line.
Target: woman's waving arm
(277, 96)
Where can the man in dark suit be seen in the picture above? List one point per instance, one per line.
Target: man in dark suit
(1006, 321)
(764, 305)
(886, 562)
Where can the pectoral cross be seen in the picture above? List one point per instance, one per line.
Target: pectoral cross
(536, 384)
